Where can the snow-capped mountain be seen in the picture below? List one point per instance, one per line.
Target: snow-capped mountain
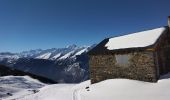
(70, 51)
(50, 54)
(9, 58)
(69, 64)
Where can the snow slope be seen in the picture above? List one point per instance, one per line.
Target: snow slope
(44, 56)
(81, 51)
(56, 56)
(67, 55)
(127, 90)
(57, 92)
(17, 86)
(140, 39)
(113, 89)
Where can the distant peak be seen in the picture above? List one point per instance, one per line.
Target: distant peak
(71, 46)
(7, 53)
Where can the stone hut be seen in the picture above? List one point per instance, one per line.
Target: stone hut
(140, 56)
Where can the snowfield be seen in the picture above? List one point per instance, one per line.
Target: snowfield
(113, 89)
(13, 87)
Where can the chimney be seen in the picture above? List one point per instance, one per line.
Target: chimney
(169, 21)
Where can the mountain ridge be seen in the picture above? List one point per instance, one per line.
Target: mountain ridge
(63, 65)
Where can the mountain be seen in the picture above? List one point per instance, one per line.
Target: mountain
(63, 65)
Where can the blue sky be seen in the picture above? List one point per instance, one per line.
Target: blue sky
(33, 24)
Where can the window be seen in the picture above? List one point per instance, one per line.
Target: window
(122, 60)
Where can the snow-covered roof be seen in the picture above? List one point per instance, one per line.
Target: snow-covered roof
(135, 40)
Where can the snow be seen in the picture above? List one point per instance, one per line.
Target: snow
(54, 92)
(118, 89)
(30, 53)
(44, 56)
(9, 56)
(127, 90)
(66, 55)
(56, 56)
(18, 86)
(81, 51)
(140, 39)
(57, 92)
(48, 54)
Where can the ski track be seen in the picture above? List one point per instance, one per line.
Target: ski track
(62, 92)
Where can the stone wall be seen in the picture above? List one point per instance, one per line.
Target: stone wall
(164, 54)
(140, 66)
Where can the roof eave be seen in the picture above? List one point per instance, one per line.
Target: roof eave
(127, 50)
